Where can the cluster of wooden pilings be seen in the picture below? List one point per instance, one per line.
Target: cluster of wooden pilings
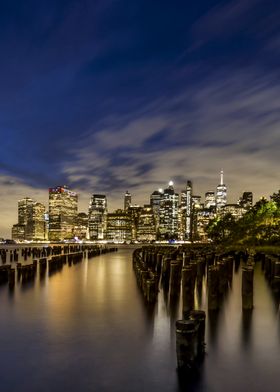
(7, 275)
(49, 258)
(183, 269)
(271, 268)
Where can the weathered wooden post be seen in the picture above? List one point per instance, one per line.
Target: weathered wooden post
(12, 275)
(247, 287)
(187, 290)
(213, 288)
(186, 344)
(199, 317)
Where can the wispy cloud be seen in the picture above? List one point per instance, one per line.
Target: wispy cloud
(234, 124)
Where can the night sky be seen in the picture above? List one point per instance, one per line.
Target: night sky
(114, 95)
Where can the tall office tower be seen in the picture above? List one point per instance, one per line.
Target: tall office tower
(196, 207)
(97, 217)
(119, 226)
(168, 224)
(81, 228)
(246, 201)
(134, 212)
(31, 221)
(36, 227)
(155, 200)
(18, 232)
(146, 225)
(24, 210)
(189, 212)
(63, 210)
(182, 215)
(127, 200)
(210, 200)
(221, 195)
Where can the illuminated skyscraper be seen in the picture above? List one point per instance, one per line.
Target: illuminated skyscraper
(146, 226)
(189, 212)
(221, 195)
(168, 224)
(185, 213)
(63, 209)
(31, 221)
(36, 227)
(246, 201)
(119, 226)
(97, 217)
(81, 228)
(134, 212)
(24, 210)
(155, 200)
(127, 200)
(210, 199)
(196, 207)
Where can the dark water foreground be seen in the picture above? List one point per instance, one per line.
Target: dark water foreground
(86, 328)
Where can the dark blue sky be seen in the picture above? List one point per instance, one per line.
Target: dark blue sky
(112, 95)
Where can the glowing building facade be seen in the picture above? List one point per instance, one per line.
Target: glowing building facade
(210, 199)
(168, 219)
(63, 210)
(36, 226)
(155, 200)
(246, 201)
(127, 200)
(221, 194)
(119, 226)
(31, 221)
(97, 217)
(146, 226)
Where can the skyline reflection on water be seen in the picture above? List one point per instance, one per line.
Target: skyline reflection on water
(87, 328)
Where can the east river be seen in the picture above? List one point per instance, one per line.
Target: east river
(87, 328)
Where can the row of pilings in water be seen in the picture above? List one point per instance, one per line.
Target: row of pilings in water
(184, 268)
(50, 258)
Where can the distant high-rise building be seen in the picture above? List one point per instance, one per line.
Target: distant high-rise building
(189, 212)
(221, 195)
(155, 199)
(97, 217)
(185, 213)
(63, 210)
(119, 226)
(246, 201)
(31, 221)
(81, 228)
(146, 226)
(236, 210)
(36, 227)
(203, 218)
(210, 199)
(168, 225)
(127, 200)
(197, 206)
(24, 210)
(134, 212)
(18, 232)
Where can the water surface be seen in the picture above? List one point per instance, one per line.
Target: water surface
(87, 328)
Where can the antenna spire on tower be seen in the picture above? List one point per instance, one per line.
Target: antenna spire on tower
(222, 177)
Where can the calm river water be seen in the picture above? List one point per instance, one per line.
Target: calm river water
(86, 328)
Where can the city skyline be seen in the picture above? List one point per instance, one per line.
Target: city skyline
(114, 96)
(172, 211)
(116, 203)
